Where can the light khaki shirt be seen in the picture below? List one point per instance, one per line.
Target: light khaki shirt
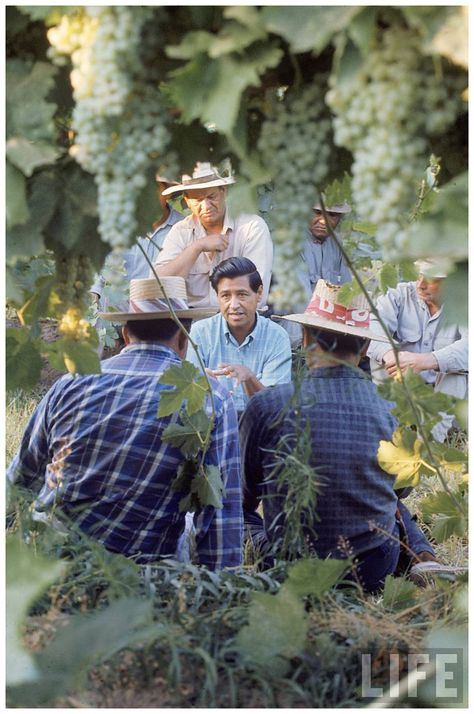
(249, 237)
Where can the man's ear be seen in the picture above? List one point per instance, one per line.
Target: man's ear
(260, 292)
(126, 335)
(182, 342)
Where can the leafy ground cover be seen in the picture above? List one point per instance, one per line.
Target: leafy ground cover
(99, 632)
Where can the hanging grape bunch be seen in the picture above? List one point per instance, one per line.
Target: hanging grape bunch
(385, 115)
(295, 143)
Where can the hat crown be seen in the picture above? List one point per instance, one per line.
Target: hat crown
(150, 289)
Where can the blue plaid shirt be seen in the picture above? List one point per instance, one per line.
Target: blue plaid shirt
(266, 352)
(93, 447)
(347, 420)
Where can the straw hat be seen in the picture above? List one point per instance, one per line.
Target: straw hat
(324, 312)
(147, 301)
(432, 267)
(336, 208)
(204, 176)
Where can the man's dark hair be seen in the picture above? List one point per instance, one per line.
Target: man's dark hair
(155, 330)
(234, 268)
(338, 343)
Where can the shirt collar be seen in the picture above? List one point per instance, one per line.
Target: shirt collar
(228, 224)
(156, 347)
(340, 370)
(251, 336)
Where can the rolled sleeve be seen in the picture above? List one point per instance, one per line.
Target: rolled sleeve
(455, 357)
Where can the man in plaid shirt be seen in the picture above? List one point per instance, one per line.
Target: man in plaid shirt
(93, 448)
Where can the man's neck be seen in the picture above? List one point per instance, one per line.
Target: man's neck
(318, 360)
(241, 334)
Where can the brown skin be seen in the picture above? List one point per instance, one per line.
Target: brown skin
(238, 306)
(178, 343)
(318, 225)
(208, 205)
(430, 291)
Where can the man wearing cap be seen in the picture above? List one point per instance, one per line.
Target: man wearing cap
(357, 511)
(244, 350)
(413, 313)
(194, 247)
(321, 256)
(93, 450)
(136, 265)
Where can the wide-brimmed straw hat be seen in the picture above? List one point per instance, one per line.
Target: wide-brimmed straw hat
(147, 301)
(335, 208)
(325, 313)
(204, 176)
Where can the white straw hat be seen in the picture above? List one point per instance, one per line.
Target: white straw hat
(147, 301)
(324, 312)
(204, 176)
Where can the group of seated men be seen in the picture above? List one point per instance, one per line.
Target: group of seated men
(93, 451)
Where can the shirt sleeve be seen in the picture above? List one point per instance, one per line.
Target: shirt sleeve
(219, 531)
(258, 247)
(388, 306)
(455, 357)
(28, 466)
(277, 369)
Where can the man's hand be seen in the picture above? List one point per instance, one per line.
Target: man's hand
(214, 242)
(416, 361)
(238, 372)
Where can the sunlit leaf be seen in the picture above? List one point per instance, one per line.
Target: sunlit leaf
(74, 356)
(396, 458)
(190, 385)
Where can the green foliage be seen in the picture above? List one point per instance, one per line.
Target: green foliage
(190, 435)
(402, 457)
(16, 205)
(74, 356)
(450, 519)
(202, 484)
(27, 577)
(398, 593)
(314, 577)
(23, 363)
(190, 386)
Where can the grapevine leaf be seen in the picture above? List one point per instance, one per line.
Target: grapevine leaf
(27, 155)
(450, 458)
(388, 277)
(28, 115)
(362, 28)
(211, 91)
(439, 502)
(17, 211)
(446, 526)
(186, 472)
(348, 292)
(314, 577)
(408, 270)
(39, 304)
(76, 357)
(193, 44)
(27, 576)
(398, 593)
(245, 14)
(188, 436)
(234, 38)
(275, 633)
(24, 241)
(23, 363)
(208, 486)
(461, 411)
(396, 458)
(51, 14)
(339, 191)
(13, 292)
(307, 28)
(190, 385)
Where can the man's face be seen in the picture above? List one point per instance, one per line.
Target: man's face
(238, 302)
(318, 225)
(429, 290)
(207, 204)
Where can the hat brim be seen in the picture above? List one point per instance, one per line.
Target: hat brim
(342, 209)
(190, 314)
(198, 186)
(313, 320)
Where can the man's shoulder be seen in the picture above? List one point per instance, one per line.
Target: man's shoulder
(250, 220)
(271, 398)
(271, 330)
(207, 325)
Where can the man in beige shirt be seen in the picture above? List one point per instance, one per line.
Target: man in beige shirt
(195, 245)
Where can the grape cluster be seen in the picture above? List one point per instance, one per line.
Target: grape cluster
(119, 117)
(74, 275)
(384, 115)
(295, 144)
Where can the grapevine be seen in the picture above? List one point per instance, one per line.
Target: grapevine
(295, 143)
(385, 116)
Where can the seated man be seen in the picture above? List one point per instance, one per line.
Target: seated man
(247, 351)
(321, 257)
(197, 244)
(357, 510)
(438, 352)
(93, 449)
